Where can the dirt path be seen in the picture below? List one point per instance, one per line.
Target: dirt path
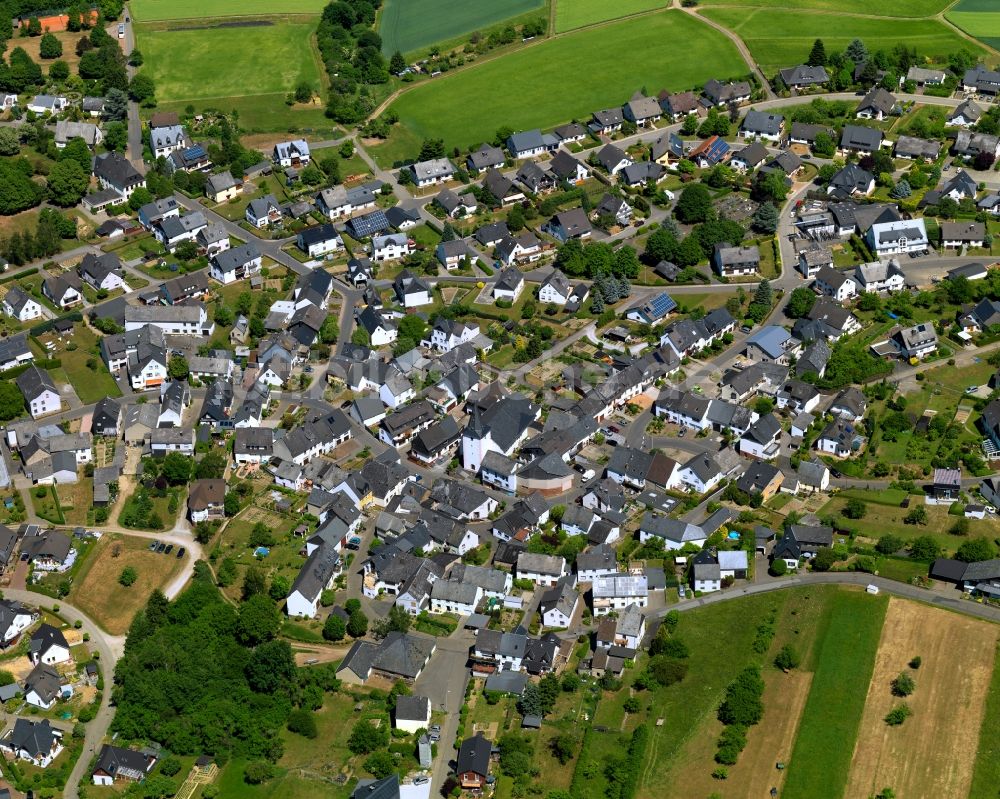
(934, 752)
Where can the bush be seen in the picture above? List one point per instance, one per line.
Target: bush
(128, 577)
(257, 772)
(903, 685)
(787, 658)
(631, 705)
(915, 663)
(898, 715)
(302, 722)
(778, 568)
(170, 766)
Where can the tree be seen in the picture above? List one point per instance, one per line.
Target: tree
(924, 548)
(380, 764)
(303, 722)
(857, 52)
(140, 197)
(11, 400)
(824, 145)
(800, 302)
(694, 204)
(975, 550)
(334, 628)
(430, 149)
(231, 504)
(901, 190)
(855, 508)
(115, 105)
(135, 58)
(898, 715)
(271, 666)
(176, 468)
(778, 567)
(903, 685)
(515, 218)
(254, 583)
(770, 187)
(50, 47)
(916, 516)
(178, 368)
(397, 64)
(787, 658)
(824, 560)
(564, 747)
(889, 544)
(67, 183)
(141, 88)
(448, 232)
(258, 620)
(256, 772)
(365, 738)
(279, 588)
(10, 141)
(817, 56)
(666, 670)
(128, 577)
(742, 703)
(765, 218)
(357, 624)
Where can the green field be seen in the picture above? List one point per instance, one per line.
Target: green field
(979, 18)
(778, 38)
(229, 62)
(546, 85)
(824, 745)
(571, 14)
(408, 25)
(156, 10)
(264, 113)
(986, 777)
(898, 8)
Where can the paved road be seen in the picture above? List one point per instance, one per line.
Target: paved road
(134, 152)
(109, 649)
(893, 587)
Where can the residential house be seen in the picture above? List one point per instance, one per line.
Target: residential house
(880, 277)
(115, 764)
(472, 768)
(851, 181)
(63, 291)
(564, 166)
(429, 173)
(732, 261)
(606, 122)
(725, 94)
(616, 592)
(39, 391)
(572, 224)
(18, 305)
(206, 500)
(916, 149)
(877, 104)
(115, 172)
(804, 76)
(964, 115)
(38, 742)
(293, 153)
(48, 645)
(411, 291)
(164, 140)
(958, 235)
(559, 604)
(895, 238)
(223, 187)
(263, 211)
(612, 159)
(761, 125)
(235, 264)
(750, 157)
(509, 285)
(831, 282)
(543, 570)
(531, 143)
(103, 272)
(486, 157)
(713, 150)
(67, 130)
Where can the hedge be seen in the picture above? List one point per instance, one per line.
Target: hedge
(46, 326)
(19, 275)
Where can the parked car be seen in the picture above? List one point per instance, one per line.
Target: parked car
(180, 552)
(169, 549)
(153, 545)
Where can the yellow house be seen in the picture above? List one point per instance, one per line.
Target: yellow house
(223, 187)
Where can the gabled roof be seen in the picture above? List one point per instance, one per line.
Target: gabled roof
(474, 756)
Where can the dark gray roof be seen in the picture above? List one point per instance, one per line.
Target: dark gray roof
(474, 756)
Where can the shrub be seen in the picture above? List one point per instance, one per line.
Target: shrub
(631, 705)
(898, 715)
(787, 658)
(903, 685)
(257, 772)
(778, 568)
(128, 577)
(170, 766)
(915, 663)
(303, 723)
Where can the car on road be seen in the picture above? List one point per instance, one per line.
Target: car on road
(746, 329)
(180, 552)
(434, 737)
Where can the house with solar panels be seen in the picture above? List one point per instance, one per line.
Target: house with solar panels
(652, 311)
(190, 159)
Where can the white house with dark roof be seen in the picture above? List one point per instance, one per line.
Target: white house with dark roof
(39, 391)
(434, 171)
(294, 153)
(17, 304)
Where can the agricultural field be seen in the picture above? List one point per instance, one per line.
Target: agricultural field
(895, 8)
(986, 776)
(156, 10)
(933, 752)
(979, 18)
(408, 25)
(541, 86)
(572, 14)
(824, 746)
(97, 592)
(778, 38)
(221, 62)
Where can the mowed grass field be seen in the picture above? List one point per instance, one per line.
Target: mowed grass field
(780, 38)
(824, 746)
(97, 592)
(229, 62)
(571, 14)
(934, 751)
(986, 776)
(893, 8)
(979, 18)
(550, 83)
(408, 25)
(157, 10)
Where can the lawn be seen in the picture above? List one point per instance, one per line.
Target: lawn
(894, 8)
(90, 384)
(572, 14)
(979, 18)
(150, 10)
(97, 592)
(408, 25)
(824, 746)
(264, 113)
(779, 38)
(226, 62)
(986, 776)
(541, 87)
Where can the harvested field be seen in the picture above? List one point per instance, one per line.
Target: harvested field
(767, 743)
(97, 592)
(933, 753)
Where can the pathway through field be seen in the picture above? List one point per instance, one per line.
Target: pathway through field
(934, 751)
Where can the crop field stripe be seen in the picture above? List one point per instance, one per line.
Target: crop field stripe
(895, 8)
(986, 776)
(158, 10)
(572, 14)
(541, 85)
(821, 759)
(409, 25)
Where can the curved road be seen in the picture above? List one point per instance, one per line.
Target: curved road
(108, 647)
